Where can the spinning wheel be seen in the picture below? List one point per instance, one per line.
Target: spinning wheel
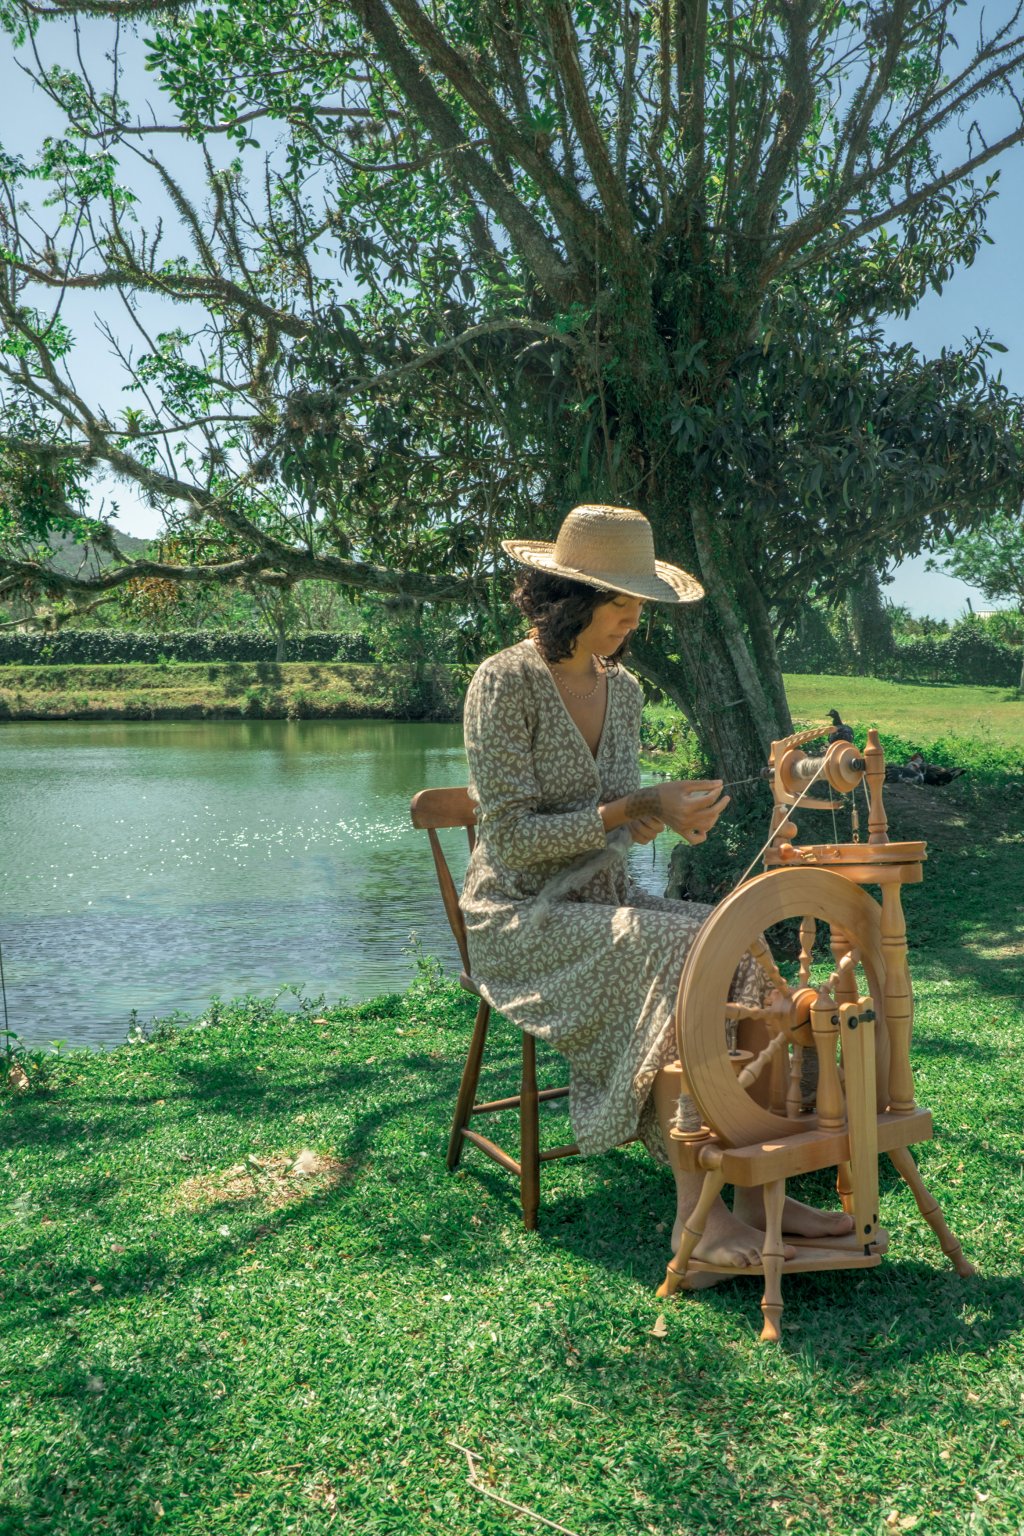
(760, 1121)
(735, 929)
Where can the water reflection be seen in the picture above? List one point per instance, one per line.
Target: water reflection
(152, 865)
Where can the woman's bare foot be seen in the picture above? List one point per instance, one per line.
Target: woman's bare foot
(727, 1239)
(798, 1220)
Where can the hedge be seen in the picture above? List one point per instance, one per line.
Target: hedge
(964, 655)
(70, 647)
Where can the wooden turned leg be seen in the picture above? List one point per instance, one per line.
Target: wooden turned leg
(772, 1257)
(693, 1231)
(905, 1166)
(844, 1187)
(899, 1001)
(529, 1135)
(467, 1088)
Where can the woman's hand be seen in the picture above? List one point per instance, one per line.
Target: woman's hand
(644, 829)
(689, 806)
(692, 806)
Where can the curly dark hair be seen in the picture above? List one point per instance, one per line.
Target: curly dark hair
(558, 610)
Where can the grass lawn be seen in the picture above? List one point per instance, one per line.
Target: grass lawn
(980, 729)
(201, 1337)
(927, 714)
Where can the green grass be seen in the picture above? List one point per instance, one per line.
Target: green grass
(936, 717)
(181, 1353)
(980, 729)
(184, 1352)
(222, 690)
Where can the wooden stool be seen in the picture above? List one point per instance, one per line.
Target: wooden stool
(433, 810)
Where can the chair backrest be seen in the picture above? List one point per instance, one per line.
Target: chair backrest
(434, 809)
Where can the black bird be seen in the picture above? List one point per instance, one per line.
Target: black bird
(842, 731)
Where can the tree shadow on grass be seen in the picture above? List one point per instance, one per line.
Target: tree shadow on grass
(59, 1286)
(226, 1086)
(118, 1447)
(960, 1048)
(901, 1311)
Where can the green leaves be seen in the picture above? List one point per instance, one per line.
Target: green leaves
(990, 557)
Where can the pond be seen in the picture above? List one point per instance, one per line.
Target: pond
(152, 866)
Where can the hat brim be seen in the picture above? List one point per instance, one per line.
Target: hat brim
(669, 584)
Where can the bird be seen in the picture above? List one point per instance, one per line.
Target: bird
(842, 731)
(933, 773)
(909, 772)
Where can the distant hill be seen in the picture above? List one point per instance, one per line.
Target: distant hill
(67, 556)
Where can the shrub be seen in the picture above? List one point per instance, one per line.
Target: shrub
(966, 655)
(658, 734)
(820, 642)
(301, 706)
(83, 647)
(971, 652)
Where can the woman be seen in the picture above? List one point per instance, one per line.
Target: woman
(561, 941)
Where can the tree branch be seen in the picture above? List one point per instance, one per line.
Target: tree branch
(524, 229)
(797, 235)
(595, 151)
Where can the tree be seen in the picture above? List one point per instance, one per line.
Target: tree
(990, 558)
(602, 253)
(871, 620)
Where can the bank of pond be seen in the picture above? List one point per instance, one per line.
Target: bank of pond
(150, 864)
(247, 690)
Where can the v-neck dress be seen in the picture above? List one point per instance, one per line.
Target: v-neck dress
(595, 971)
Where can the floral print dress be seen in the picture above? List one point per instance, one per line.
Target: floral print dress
(561, 940)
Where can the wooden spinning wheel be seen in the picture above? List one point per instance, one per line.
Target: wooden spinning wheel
(764, 1116)
(735, 929)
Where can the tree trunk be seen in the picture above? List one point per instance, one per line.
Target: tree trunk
(280, 625)
(716, 659)
(701, 680)
(418, 661)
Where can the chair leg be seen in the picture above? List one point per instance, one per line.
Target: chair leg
(529, 1135)
(467, 1088)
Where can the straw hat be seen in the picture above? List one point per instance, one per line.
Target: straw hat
(610, 547)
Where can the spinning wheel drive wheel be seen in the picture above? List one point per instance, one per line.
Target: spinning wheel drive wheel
(734, 929)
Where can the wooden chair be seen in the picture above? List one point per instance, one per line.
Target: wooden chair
(433, 810)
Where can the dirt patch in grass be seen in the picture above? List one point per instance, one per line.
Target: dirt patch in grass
(921, 811)
(276, 1181)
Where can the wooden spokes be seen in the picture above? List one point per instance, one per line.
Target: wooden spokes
(740, 1011)
(735, 928)
(842, 978)
(842, 983)
(808, 933)
(763, 955)
(752, 1071)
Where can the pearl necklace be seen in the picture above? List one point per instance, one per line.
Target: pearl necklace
(571, 691)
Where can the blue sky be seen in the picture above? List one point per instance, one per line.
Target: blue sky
(988, 296)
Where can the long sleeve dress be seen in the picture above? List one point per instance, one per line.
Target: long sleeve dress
(561, 940)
